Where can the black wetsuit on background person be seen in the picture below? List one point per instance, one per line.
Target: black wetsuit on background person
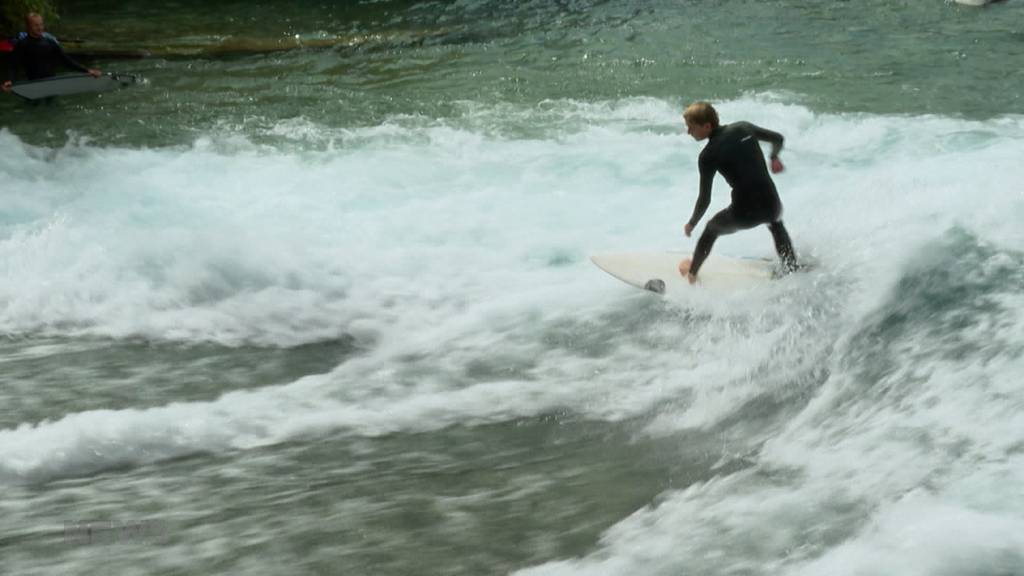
(733, 151)
(39, 57)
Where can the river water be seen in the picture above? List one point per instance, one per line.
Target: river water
(329, 310)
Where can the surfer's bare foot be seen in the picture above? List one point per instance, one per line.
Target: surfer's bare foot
(684, 266)
(684, 270)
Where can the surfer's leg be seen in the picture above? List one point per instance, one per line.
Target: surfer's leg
(723, 223)
(783, 245)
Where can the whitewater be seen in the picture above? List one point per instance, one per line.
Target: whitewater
(189, 311)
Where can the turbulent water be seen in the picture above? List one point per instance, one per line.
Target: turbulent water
(330, 310)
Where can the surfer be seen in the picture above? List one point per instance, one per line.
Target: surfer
(39, 53)
(733, 151)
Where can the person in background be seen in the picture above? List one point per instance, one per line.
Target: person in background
(38, 54)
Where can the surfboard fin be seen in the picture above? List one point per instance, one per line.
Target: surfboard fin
(655, 285)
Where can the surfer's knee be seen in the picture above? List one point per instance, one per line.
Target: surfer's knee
(716, 228)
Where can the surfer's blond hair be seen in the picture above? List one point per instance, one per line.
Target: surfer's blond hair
(701, 113)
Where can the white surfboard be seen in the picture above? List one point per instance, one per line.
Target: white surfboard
(659, 271)
(71, 84)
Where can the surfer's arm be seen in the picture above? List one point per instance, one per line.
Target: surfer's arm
(13, 63)
(12, 70)
(707, 178)
(772, 137)
(70, 63)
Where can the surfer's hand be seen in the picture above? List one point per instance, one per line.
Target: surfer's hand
(95, 73)
(7, 86)
(688, 229)
(777, 166)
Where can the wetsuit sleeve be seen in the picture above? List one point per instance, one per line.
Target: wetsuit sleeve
(13, 63)
(769, 136)
(67, 59)
(707, 178)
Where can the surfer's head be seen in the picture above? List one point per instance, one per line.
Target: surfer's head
(701, 119)
(34, 25)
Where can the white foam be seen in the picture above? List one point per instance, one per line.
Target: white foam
(216, 242)
(925, 535)
(449, 247)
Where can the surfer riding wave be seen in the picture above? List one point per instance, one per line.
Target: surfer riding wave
(733, 150)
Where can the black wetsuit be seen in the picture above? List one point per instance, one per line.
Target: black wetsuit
(39, 58)
(733, 150)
